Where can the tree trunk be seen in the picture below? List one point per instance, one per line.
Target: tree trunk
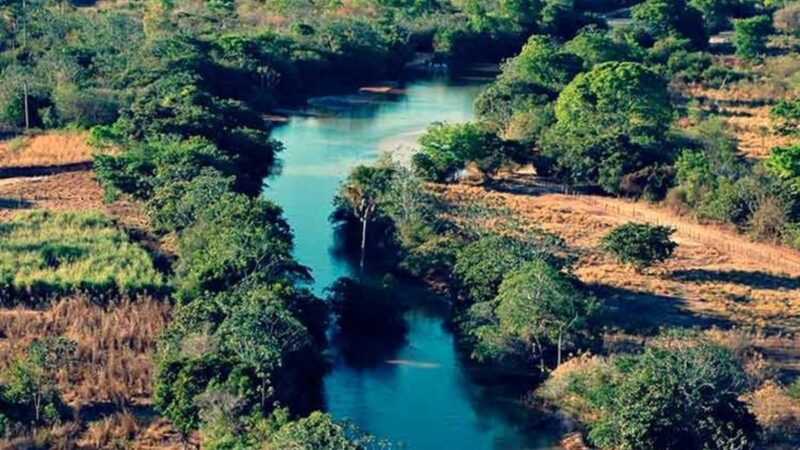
(560, 337)
(363, 242)
(27, 114)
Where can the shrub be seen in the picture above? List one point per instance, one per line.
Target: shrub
(751, 35)
(536, 306)
(447, 148)
(640, 245)
(787, 19)
(785, 117)
(673, 397)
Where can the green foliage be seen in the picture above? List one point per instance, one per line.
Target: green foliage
(595, 46)
(44, 255)
(543, 62)
(751, 35)
(319, 431)
(640, 245)
(235, 239)
(717, 13)
(616, 98)
(785, 117)
(446, 149)
(537, 308)
(663, 18)
(481, 265)
(671, 397)
(608, 120)
(31, 382)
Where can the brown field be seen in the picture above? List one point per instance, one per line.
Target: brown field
(114, 344)
(45, 150)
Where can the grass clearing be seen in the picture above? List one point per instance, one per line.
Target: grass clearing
(44, 255)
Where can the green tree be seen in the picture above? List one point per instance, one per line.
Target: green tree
(537, 305)
(640, 245)
(608, 122)
(481, 265)
(663, 18)
(784, 163)
(682, 396)
(236, 239)
(32, 380)
(785, 117)
(447, 148)
(261, 334)
(362, 194)
(717, 13)
(750, 38)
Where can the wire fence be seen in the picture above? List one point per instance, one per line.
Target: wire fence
(786, 260)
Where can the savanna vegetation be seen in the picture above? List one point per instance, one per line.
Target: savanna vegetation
(172, 94)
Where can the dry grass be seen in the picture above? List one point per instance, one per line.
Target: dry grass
(45, 150)
(777, 413)
(746, 105)
(114, 344)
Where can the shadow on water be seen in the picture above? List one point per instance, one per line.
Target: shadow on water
(370, 323)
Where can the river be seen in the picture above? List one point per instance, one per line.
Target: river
(419, 390)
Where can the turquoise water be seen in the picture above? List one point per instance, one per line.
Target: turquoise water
(416, 389)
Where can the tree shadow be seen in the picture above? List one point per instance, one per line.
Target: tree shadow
(646, 313)
(13, 203)
(756, 280)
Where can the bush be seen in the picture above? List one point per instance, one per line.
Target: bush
(787, 19)
(481, 265)
(673, 397)
(640, 245)
(751, 35)
(447, 148)
(235, 238)
(85, 108)
(785, 117)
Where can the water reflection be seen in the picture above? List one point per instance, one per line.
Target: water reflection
(410, 383)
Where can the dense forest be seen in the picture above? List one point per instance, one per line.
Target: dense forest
(173, 98)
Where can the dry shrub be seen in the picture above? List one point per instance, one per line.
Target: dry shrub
(586, 370)
(111, 431)
(768, 220)
(677, 202)
(744, 346)
(787, 19)
(114, 343)
(777, 413)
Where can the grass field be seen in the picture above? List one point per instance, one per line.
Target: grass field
(45, 255)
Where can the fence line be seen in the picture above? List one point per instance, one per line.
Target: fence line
(786, 259)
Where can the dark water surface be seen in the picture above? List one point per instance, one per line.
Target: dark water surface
(415, 389)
